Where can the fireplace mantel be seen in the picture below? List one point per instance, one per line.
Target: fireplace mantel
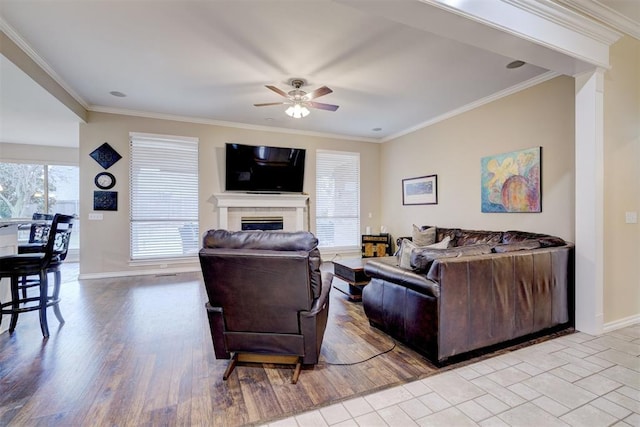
(255, 203)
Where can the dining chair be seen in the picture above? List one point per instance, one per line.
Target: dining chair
(38, 264)
(38, 234)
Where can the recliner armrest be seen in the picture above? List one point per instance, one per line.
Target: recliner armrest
(402, 277)
(320, 302)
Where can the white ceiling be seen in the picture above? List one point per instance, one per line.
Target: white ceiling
(31, 115)
(210, 60)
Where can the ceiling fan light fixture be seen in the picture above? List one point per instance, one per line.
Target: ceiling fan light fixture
(297, 111)
(299, 102)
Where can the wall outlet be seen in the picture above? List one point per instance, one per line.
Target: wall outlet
(95, 217)
(631, 217)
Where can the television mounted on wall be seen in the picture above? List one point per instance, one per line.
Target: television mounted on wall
(264, 169)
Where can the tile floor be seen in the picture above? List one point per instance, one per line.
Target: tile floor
(574, 380)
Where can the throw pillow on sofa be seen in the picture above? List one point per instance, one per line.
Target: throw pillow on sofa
(407, 246)
(443, 244)
(423, 237)
(404, 253)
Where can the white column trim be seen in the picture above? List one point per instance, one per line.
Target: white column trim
(589, 199)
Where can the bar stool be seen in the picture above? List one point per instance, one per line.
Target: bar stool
(41, 264)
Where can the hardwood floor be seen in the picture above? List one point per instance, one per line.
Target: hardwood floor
(137, 351)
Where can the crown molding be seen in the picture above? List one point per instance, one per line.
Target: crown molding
(549, 10)
(479, 103)
(204, 121)
(605, 14)
(28, 50)
(567, 18)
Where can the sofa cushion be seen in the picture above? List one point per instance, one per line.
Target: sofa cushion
(518, 246)
(546, 241)
(423, 236)
(473, 237)
(452, 233)
(422, 258)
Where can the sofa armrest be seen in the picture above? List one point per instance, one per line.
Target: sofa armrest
(402, 277)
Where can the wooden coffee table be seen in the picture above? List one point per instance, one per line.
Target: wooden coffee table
(349, 277)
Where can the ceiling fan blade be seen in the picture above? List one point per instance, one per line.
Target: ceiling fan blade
(321, 91)
(277, 90)
(268, 103)
(322, 106)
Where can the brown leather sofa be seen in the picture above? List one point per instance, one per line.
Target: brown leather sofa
(266, 293)
(487, 288)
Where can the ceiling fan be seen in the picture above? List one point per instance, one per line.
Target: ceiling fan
(299, 100)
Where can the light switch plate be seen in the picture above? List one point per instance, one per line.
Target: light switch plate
(95, 217)
(631, 217)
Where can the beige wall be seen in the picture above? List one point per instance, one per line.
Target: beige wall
(622, 181)
(108, 239)
(539, 116)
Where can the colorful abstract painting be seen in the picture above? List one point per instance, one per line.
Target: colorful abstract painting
(511, 182)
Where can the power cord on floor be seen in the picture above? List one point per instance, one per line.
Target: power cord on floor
(362, 361)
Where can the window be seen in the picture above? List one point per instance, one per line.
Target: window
(164, 196)
(338, 199)
(29, 188)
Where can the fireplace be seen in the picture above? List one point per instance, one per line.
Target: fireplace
(262, 223)
(233, 207)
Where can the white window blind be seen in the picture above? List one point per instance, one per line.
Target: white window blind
(338, 199)
(164, 196)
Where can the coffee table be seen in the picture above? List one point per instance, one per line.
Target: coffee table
(349, 277)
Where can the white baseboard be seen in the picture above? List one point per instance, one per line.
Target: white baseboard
(621, 323)
(130, 273)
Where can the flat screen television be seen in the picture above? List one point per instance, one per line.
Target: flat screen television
(264, 169)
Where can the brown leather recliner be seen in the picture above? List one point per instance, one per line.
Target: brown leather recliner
(268, 301)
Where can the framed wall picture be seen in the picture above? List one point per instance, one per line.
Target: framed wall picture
(510, 182)
(105, 200)
(422, 190)
(105, 155)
